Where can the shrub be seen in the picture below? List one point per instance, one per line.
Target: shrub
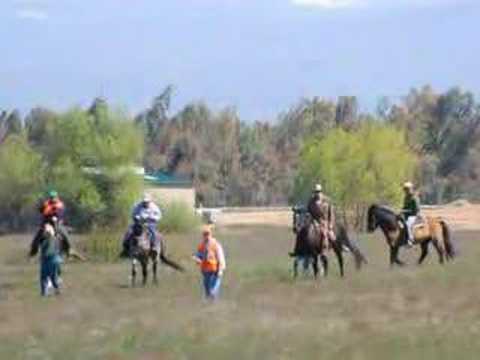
(104, 244)
(178, 217)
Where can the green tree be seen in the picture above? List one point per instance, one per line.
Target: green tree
(357, 168)
(21, 180)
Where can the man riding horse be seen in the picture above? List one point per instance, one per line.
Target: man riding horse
(148, 213)
(410, 210)
(322, 213)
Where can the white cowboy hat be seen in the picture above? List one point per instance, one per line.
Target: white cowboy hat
(317, 188)
(408, 185)
(147, 197)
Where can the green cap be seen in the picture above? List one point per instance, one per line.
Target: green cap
(52, 193)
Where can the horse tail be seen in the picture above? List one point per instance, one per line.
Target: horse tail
(342, 236)
(171, 263)
(451, 251)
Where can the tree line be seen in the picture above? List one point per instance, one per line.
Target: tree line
(429, 135)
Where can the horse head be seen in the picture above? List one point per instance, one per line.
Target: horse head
(299, 218)
(140, 236)
(382, 216)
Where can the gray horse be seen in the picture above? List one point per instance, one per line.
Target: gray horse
(141, 251)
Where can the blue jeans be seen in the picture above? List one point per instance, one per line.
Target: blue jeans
(49, 268)
(152, 235)
(211, 284)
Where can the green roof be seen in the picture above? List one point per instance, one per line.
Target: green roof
(166, 178)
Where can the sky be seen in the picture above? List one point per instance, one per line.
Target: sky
(259, 56)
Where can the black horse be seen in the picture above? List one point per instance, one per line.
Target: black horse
(141, 251)
(433, 230)
(310, 244)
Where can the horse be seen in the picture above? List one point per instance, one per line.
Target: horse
(310, 244)
(141, 251)
(432, 230)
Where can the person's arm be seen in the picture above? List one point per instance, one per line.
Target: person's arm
(222, 265)
(135, 212)
(60, 211)
(154, 213)
(198, 256)
(416, 205)
(331, 217)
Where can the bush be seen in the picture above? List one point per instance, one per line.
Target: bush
(104, 244)
(178, 217)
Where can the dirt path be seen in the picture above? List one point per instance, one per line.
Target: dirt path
(461, 217)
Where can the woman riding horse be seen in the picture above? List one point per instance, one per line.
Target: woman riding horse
(397, 233)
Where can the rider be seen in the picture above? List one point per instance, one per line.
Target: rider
(410, 210)
(321, 210)
(148, 213)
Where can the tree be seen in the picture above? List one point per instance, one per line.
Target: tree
(155, 117)
(347, 111)
(442, 128)
(356, 168)
(21, 180)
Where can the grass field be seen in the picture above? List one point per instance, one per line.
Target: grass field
(431, 312)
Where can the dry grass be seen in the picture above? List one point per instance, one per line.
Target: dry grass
(414, 313)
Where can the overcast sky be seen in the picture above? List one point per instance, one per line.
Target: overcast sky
(260, 56)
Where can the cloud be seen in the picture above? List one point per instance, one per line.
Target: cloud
(32, 14)
(328, 4)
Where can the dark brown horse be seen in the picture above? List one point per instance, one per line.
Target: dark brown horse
(141, 251)
(433, 230)
(310, 244)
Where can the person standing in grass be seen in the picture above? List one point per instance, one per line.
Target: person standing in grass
(49, 258)
(211, 259)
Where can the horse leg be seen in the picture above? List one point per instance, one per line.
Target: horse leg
(154, 266)
(394, 260)
(424, 246)
(144, 272)
(324, 260)
(134, 272)
(305, 264)
(440, 250)
(295, 267)
(338, 252)
(392, 256)
(315, 266)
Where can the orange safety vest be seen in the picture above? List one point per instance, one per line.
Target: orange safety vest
(51, 208)
(210, 261)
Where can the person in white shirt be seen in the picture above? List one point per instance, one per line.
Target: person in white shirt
(148, 213)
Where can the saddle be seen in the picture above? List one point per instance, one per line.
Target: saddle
(326, 235)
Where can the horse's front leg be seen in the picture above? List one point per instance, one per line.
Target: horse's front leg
(154, 269)
(295, 267)
(144, 272)
(134, 272)
(315, 266)
(324, 260)
(424, 245)
(394, 256)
